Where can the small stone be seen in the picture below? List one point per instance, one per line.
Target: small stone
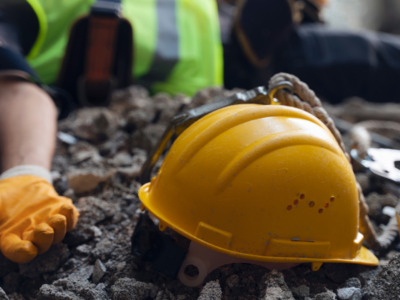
(3, 295)
(103, 249)
(98, 271)
(83, 273)
(352, 282)
(81, 180)
(96, 230)
(273, 287)
(82, 233)
(328, 295)
(232, 281)
(349, 293)
(93, 210)
(122, 159)
(211, 291)
(301, 291)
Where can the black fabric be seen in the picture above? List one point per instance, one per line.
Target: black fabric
(19, 25)
(11, 61)
(338, 64)
(265, 23)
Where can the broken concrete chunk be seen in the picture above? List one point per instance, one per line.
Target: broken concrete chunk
(71, 289)
(386, 284)
(3, 295)
(103, 249)
(301, 291)
(93, 210)
(328, 295)
(99, 271)
(83, 273)
(211, 291)
(130, 289)
(273, 287)
(46, 262)
(352, 282)
(82, 181)
(95, 124)
(349, 293)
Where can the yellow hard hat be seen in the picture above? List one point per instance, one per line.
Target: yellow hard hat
(261, 183)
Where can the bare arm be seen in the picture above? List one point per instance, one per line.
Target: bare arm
(28, 124)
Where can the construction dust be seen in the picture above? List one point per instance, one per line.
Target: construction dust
(100, 174)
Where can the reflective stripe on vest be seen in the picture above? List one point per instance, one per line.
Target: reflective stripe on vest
(176, 43)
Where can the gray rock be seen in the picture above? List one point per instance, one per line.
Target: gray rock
(301, 291)
(71, 289)
(351, 293)
(98, 271)
(146, 138)
(232, 281)
(211, 291)
(93, 210)
(81, 234)
(386, 284)
(3, 295)
(46, 262)
(352, 282)
(130, 289)
(273, 287)
(328, 295)
(103, 249)
(95, 124)
(83, 180)
(83, 273)
(122, 159)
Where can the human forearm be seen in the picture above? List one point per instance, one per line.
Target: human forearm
(27, 125)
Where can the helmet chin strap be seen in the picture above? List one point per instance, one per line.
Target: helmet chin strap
(207, 260)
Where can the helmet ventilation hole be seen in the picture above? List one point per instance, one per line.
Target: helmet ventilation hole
(302, 196)
(332, 199)
(311, 204)
(320, 210)
(326, 205)
(295, 202)
(289, 207)
(191, 272)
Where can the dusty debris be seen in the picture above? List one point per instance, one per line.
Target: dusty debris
(328, 295)
(72, 288)
(130, 289)
(273, 287)
(301, 291)
(119, 139)
(386, 284)
(211, 291)
(48, 262)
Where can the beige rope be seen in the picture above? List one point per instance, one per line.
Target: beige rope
(304, 98)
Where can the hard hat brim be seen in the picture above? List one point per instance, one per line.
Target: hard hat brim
(364, 256)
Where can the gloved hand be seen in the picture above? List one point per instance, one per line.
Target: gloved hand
(32, 217)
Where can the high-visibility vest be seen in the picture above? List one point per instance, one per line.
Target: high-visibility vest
(176, 42)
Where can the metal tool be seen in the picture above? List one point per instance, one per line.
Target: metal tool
(382, 162)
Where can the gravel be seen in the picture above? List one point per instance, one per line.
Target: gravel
(100, 174)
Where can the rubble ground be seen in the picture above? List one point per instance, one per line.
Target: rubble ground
(99, 173)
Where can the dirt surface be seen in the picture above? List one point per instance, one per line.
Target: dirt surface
(100, 174)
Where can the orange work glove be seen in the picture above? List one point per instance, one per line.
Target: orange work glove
(32, 217)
